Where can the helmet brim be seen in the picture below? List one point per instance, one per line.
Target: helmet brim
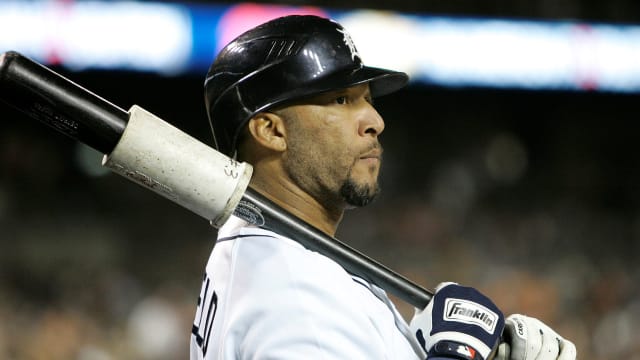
(381, 81)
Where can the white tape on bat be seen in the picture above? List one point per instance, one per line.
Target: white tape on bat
(164, 159)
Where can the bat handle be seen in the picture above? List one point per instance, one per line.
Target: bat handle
(261, 211)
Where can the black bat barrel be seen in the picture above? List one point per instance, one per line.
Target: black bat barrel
(60, 103)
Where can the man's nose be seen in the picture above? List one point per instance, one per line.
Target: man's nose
(371, 122)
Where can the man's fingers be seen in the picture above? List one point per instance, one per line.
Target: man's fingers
(528, 338)
(550, 344)
(504, 352)
(533, 343)
(567, 350)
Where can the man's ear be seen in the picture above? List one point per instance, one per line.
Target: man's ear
(268, 130)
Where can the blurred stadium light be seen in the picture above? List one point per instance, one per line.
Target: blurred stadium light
(174, 39)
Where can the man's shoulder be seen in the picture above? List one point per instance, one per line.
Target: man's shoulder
(262, 247)
(260, 256)
(252, 239)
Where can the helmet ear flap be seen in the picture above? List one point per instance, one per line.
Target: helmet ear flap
(285, 59)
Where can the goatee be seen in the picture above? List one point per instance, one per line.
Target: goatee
(358, 195)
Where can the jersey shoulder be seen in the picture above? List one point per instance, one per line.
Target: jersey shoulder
(263, 260)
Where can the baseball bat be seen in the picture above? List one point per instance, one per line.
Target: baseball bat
(145, 149)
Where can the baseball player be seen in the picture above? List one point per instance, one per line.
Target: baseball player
(293, 98)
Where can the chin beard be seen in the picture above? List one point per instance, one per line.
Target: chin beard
(357, 195)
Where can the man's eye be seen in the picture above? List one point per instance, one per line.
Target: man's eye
(341, 100)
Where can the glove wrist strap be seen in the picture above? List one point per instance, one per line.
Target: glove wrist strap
(453, 350)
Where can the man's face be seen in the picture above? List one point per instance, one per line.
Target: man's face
(333, 151)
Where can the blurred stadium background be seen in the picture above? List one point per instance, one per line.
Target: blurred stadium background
(511, 165)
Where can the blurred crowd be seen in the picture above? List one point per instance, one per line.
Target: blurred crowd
(93, 267)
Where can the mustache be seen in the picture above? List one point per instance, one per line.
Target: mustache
(375, 148)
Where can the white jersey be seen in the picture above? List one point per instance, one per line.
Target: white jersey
(265, 296)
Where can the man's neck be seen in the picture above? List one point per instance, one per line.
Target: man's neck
(299, 203)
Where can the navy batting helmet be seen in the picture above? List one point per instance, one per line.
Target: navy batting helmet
(285, 59)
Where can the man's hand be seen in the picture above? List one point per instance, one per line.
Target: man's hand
(527, 338)
(458, 323)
